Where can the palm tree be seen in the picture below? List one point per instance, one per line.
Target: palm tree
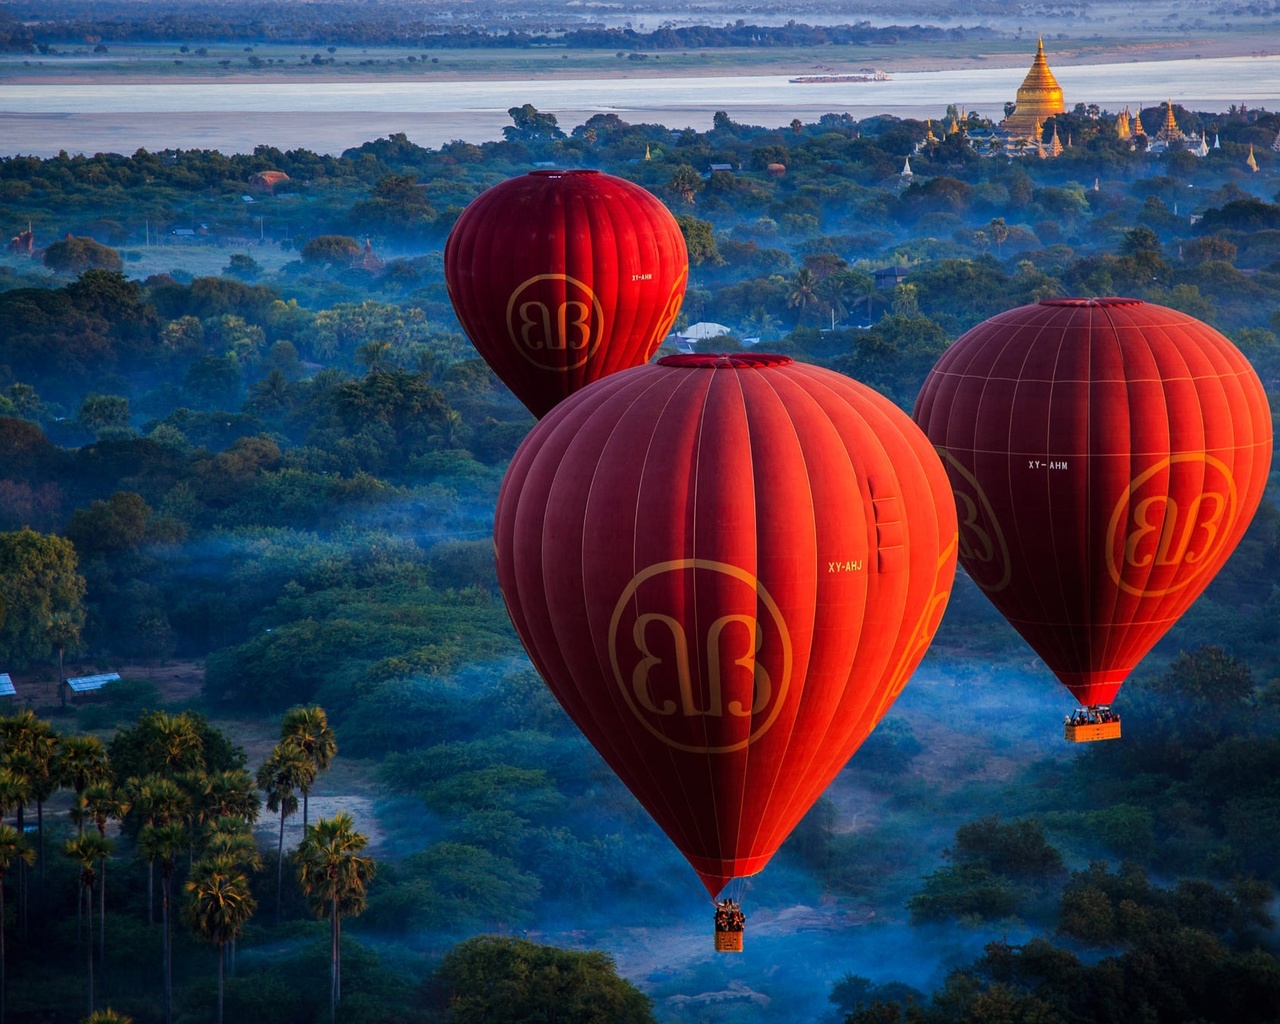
(15, 791)
(161, 844)
(999, 234)
(31, 747)
(13, 847)
(803, 292)
(232, 838)
(87, 850)
(157, 801)
(281, 776)
(104, 802)
(176, 742)
(231, 793)
(335, 876)
(218, 906)
(308, 729)
(107, 1016)
(376, 355)
(63, 631)
(762, 324)
(272, 394)
(81, 762)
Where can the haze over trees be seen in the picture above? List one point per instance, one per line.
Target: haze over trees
(286, 472)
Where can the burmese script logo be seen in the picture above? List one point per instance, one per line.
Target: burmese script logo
(984, 552)
(713, 693)
(555, 321)
(1154, 527)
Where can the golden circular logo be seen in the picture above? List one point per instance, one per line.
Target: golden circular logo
(1154, 528)
(686, 690)
(555, 321)
(672, 309)
(984, 552)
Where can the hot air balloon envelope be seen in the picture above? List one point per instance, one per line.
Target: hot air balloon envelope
(726, 568)
(1106, 457)
(563, 277)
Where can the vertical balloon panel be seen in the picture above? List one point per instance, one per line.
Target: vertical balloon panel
(725, 568)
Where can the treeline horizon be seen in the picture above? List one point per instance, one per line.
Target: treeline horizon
(334, 24)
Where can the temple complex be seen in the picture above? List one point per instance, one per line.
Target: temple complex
(1039, 98)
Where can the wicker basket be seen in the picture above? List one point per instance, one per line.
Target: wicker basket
(728, 942)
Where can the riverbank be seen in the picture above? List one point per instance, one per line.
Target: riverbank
(329, 117)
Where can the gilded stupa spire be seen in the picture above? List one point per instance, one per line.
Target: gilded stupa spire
(1039, 97)
(1252, 162)
(1169, 131)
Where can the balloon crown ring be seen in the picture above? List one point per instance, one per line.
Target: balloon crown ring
(725, 360)
(1109, 300)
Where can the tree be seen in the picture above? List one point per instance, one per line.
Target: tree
(684, 184)
(161, 844)
(218, 906)
(335, 876)
(74, 255)
(86, 851)
(700, 241)
(243, 266)
(531, 125)
(308, 729)
(375, 355)
(803, 294)
(107, 1016)
(999, 234)
(330, 249)
(281, 776)
(99, 413)
(29, 745)
(81, 762)
(494, 978)
(103, 802)
(158, 802)
(13, 847)
(38, 580)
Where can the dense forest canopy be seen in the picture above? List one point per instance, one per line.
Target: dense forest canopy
(250, 437)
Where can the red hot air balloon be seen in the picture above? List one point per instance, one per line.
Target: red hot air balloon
(563, 277)
(726, 568)
(1106, 456)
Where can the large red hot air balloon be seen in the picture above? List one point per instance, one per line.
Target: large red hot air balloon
(726, 568)
(562, 277)
(1106, 456)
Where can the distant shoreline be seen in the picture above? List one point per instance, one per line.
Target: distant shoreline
(487, 65)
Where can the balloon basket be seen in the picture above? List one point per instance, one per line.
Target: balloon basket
(728, 942)
(1088, 725)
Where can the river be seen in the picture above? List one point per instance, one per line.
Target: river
(328, 117)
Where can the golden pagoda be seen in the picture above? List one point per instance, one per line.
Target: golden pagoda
(1251, 163)
(1169, 131)
(1137, 123)
(1122, 124)
(1055, 145)
(1039, 98)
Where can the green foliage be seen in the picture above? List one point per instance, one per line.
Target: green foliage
(76, 255)
(41, 594)
(151, 744)
(513, 981)
(330, 249)
(997, 869)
